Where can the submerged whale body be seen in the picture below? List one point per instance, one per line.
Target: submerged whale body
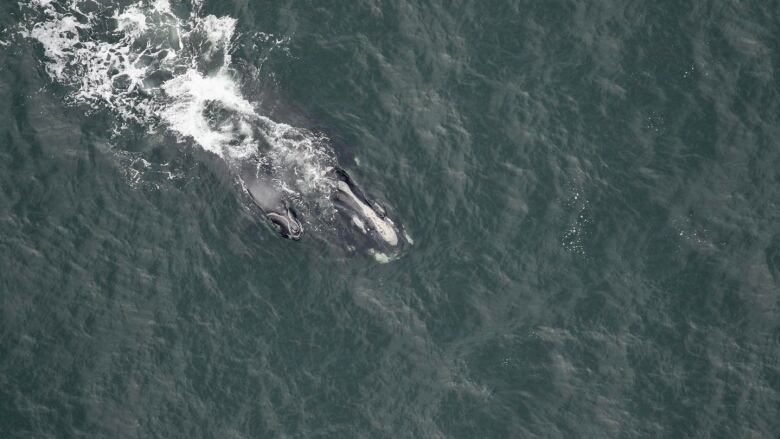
(170, 69)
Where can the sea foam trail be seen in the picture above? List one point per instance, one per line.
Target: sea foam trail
(154, 65)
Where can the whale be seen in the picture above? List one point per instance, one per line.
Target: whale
(369, 217)
(276, 209)
(293, 177)
(360, 222)
(279, 214)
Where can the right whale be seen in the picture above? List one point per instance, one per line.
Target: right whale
(360, 223)
(292, 175)
(368, 217)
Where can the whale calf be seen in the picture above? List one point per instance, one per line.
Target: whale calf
(367, 216)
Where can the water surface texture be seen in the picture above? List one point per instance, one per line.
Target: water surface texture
(585, 197)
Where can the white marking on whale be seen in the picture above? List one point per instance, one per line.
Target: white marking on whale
(385, 230)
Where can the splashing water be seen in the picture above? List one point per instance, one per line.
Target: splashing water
(152, 64)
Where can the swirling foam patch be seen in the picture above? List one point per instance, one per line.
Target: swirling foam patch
(153, 64)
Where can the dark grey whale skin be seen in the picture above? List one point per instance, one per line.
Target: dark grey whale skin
(361, 222)
(276, 209)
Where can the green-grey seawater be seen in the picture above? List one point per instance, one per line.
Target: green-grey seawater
(592, 189)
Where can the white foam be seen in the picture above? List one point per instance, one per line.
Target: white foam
(41, 3)
(108, 70)
(190, 93)
(116, 71)
(58, 37)
(219, 31)
(150, 66)
(131, 22)
(162, 6)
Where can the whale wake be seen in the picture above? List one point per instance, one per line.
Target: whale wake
(164, 65)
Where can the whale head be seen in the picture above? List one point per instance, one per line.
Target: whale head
(279, 214)
(286, 223)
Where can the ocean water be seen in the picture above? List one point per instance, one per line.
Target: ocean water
(587, 193)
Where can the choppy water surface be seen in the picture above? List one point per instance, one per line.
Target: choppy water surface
(564, 219)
